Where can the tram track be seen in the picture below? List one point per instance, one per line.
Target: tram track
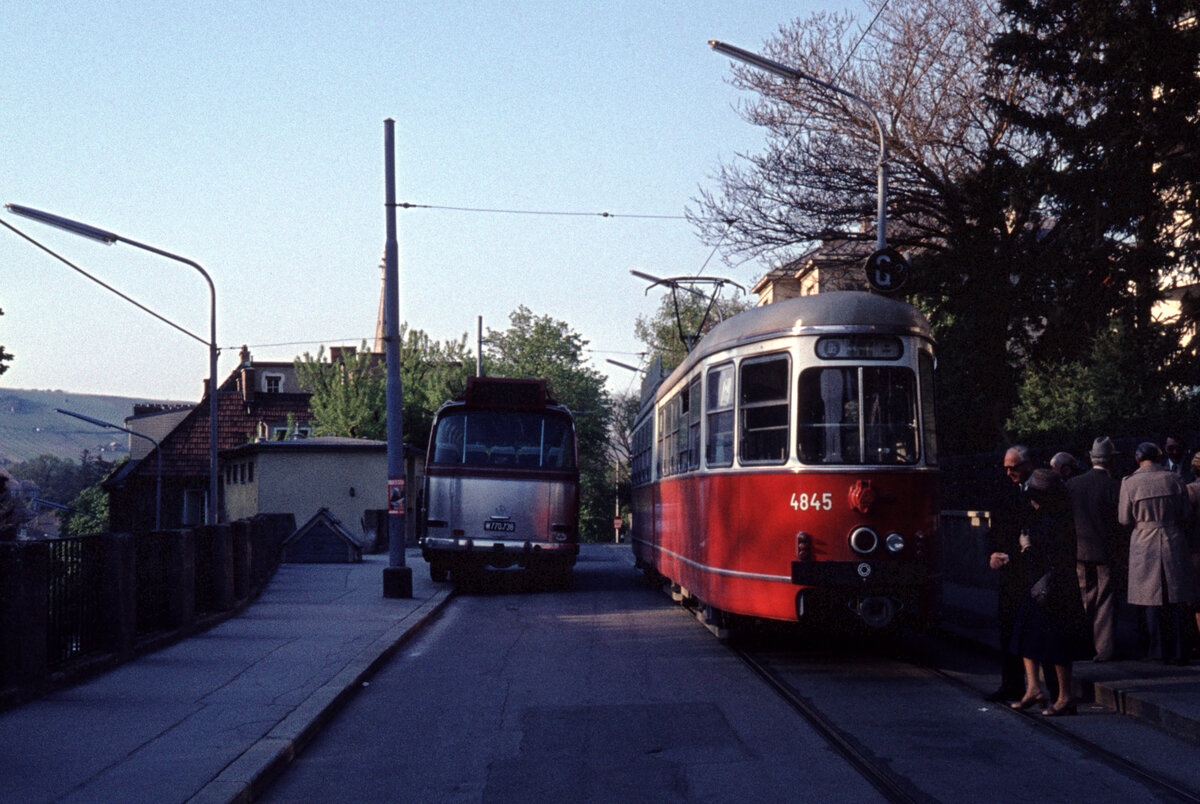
(893, 788)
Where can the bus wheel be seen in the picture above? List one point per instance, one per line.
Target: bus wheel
(438, 571)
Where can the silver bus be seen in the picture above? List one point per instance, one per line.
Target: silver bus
(501, 483)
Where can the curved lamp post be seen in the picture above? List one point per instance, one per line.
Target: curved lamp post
(158, 452)
(762, 63)
(108, 238)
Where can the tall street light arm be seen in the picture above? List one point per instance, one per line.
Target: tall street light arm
(108, 238)
(771, 66)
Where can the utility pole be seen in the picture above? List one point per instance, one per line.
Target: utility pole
(397, 578)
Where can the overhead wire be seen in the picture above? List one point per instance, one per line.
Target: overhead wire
(104, 284)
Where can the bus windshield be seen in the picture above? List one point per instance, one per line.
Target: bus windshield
(521, 439)
(858, 415)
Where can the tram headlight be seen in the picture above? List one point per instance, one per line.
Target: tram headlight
(863, 540)
(894, 542)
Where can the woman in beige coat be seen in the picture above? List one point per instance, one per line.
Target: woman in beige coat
(1154, 501)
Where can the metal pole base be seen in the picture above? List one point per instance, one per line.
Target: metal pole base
(397, 582)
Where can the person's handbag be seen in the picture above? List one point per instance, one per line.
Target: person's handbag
(1040, 591)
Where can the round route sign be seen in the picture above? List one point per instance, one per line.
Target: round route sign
(887, 270)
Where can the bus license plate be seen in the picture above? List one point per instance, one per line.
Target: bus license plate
(503, 527)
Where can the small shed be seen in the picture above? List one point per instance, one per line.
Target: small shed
(322, 540)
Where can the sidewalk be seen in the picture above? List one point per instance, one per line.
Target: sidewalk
(209, 718)
(1164, 695)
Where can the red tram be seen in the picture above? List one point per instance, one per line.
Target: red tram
(788, 466)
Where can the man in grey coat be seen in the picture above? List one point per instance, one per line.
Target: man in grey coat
(1093, 496)
(1154, 502)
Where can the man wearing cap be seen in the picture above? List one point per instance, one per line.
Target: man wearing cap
(1154, 501)
(1093, 496)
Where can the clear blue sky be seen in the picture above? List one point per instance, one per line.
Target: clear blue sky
(248, 136)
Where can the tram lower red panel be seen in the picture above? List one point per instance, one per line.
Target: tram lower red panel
(730, 539)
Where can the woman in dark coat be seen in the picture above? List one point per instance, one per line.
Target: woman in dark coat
(1051, 626)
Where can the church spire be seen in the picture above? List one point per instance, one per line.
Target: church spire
(379, 323)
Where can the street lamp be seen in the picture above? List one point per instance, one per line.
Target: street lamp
(762, 63)
(157, 450)
(108, 238)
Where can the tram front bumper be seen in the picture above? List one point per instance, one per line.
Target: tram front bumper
(861, 575)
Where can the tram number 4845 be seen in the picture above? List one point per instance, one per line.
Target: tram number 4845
(812, 502)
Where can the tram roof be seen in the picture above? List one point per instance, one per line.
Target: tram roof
(845, 310)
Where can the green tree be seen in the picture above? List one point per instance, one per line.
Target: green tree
(1113, 176)
(88, 514)
(60, 480)
(625, 409)
(349, 396)
(1110, 390)
(681, 314)
(544, 348)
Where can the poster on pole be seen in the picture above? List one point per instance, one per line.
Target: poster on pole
(396, 495)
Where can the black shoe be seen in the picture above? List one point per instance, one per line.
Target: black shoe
(1003, 694)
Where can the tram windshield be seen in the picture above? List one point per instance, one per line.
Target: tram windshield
(858, 415)
(524, 440)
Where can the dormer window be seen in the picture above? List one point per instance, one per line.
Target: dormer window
(272, 383)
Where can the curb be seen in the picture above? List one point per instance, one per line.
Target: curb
(251, 773)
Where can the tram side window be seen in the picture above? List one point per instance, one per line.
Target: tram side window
(718, 406)
(857, 415)
(928, 419)
(693, 436)
(764, 410)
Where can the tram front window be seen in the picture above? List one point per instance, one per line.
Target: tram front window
(857, 415)
(503, 438)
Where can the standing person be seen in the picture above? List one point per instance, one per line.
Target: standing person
(1093, 496)
(1003, 540)
(1177, 459)
(1050, 626)
(1154, 501)
(1065, 465)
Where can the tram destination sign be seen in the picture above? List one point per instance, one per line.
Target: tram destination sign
(887, 270)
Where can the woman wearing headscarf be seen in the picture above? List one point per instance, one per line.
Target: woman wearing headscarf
(1051, 628)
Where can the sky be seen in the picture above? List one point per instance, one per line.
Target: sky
(249, 138)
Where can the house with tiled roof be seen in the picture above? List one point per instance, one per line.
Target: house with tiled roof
(258, 400)
(834, 264)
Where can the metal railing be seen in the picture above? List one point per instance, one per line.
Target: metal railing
(73, 624)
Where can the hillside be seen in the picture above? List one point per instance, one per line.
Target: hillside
(29, 425)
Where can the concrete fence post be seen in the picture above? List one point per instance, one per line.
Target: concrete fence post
(24, 585)
(223, 594)
(118, 593)
(243, 551)
(181, 578)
